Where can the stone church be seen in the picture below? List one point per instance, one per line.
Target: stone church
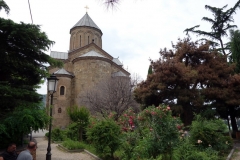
(85, 64)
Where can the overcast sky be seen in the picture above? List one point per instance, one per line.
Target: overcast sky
(134, 31)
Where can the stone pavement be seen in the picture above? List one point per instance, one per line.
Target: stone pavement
(57, 154)
(236, 154)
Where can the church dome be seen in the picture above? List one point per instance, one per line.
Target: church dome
(84, 32)
(86, 21)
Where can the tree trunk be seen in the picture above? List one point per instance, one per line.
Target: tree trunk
(80, 134)
(233, 118)
(187, 116)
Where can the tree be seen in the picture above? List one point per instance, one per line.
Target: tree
(79, 116)
(23, 67)
(21, 121)
(24, 63)
(150, 70)
(104, 135)
(234, 45)
(220, 25)
(110, 95)
(3, 5)
(111, 3)
(189, 78)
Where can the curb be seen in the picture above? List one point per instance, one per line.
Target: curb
(79, 150)
(71, 151)
(230, 154)
(93, 155)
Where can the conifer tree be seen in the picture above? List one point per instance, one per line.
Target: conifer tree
(150, 70)
(234, 45)
(190, 78)
(23, 67)
(221, 24)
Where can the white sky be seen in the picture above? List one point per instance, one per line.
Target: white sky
(134, 32)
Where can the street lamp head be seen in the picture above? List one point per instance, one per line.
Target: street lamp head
(52, 83)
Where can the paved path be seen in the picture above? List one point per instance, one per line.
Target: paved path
(236, 154)
(57, 154)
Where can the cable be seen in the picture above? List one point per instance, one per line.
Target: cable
(30, 11)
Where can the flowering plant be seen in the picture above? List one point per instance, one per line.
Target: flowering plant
(154, 131)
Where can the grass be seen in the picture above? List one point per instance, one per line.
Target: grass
(72, 145)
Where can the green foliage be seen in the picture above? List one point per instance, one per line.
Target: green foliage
(150, 71)
(209, 133)
(235, 48)
(187, 151)
(79, 116)
(105, 137)
(221, 23)
(4, 6)
(150, 134)
(58, 135)
(23, 67)
(47, 134)
(128, 144)
(19, 123)
(72, 131)
(72, 145)
(23, 63)
(160, 132)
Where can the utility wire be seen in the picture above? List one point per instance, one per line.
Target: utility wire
(30, 10)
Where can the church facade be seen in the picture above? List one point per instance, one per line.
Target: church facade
(85, 64)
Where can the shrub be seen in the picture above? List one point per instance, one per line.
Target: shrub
(47, 134)
(209, 133)
(80, 116)
(153, 133)
(159, 131)
(57, 135)
(105, 137)
(128, 144)
(72, 131)
(72, 145)
(187, 151)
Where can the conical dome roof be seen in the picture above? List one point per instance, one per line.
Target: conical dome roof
(86, 21)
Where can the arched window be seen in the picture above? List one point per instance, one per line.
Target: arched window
(59, 110)
(62, 90)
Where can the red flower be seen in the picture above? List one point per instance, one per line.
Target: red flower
(179, 127)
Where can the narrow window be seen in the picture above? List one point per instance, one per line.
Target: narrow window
(80, 41)
(59, 110)
(73, 42)
(88, 39)
(62, 90)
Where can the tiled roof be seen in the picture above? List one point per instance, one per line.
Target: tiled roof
(59, 55)
(86, 21)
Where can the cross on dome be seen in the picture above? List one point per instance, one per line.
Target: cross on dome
(86, 8)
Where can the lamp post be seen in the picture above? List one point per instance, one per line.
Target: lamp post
(52, 85)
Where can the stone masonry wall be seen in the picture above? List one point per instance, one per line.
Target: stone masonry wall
(82, 36)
